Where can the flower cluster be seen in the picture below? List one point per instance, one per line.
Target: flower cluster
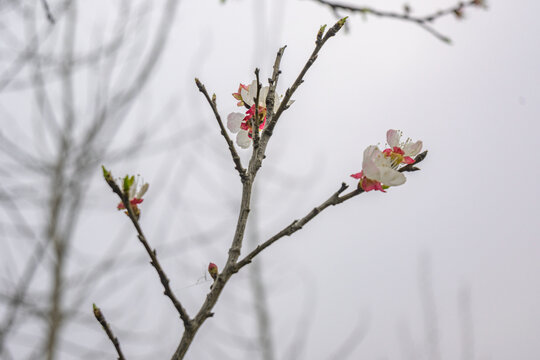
(380, 169)
(241, 123)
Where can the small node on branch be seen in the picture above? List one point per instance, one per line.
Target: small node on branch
(97, 313)
(106, 174)
(321, 33)
(101, 319)
(200, 86)
(446, 40)
(342, 22)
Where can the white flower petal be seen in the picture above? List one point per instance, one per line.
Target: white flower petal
(245, 96)
(392, 137)
(391, 177)
(277, 102)
(133, 189)
(234, 120)
(412, 149)
(370, 168)
(262, 96)
(142, 191)
(249, 95)
(242, 139)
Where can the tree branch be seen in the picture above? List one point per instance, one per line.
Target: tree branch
(232, 149)
(255, 122)
(101, 319)
(48, 12)
(296, 225)
(151, 252)
(422, 21)
(417, 159)
(270, 98)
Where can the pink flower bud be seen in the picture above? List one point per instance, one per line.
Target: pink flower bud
(213, 270)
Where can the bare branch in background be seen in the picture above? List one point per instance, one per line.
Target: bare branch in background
(48, 12)
(72, 142)
(425, 22)
(431, 323)
(260, 293)
(353, 340)
(467, 324)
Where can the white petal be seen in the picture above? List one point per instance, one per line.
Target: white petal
(371, 152)
(277, 102)
(391, 177)
(412, 149)
(262, 96)
(234, 120)
(392, 137)
(132, 190)
(143, 190)
(249, 95)
(243, 140)
(371, 170)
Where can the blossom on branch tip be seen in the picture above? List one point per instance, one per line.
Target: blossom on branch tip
(380, 169)
(135, 192)
(242, 123)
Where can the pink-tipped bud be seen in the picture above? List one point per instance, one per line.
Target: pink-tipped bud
(213, 270)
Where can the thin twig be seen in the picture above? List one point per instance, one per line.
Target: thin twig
(234, 153)
(255, 122)
(296, 225)
(270, 98)
(320, 41)
(48, 12)
(101, 319)
(151, 252)
(422, 21)
(417, 159)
